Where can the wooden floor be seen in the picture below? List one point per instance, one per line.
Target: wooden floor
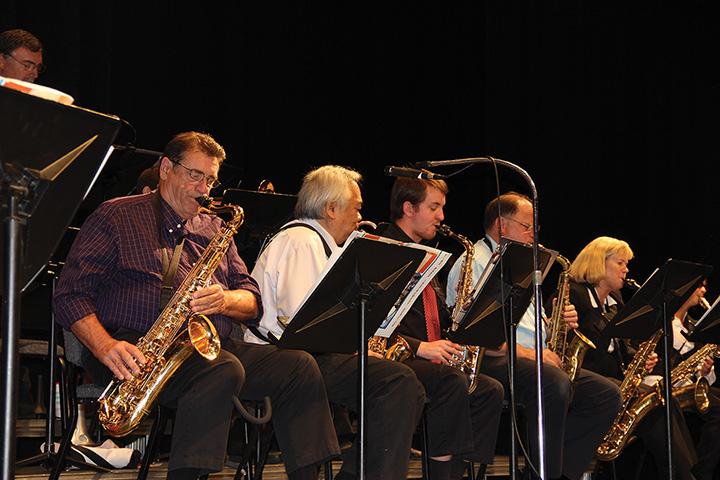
(272, 472)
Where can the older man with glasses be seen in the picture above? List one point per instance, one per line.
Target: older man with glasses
(21, 55)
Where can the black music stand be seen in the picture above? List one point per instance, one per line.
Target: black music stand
(507, 281)
(707, 329)
(341, 320)
(652, 308)
(265, 213)
(50, 155)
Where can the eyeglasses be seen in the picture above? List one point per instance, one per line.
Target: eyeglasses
(198, 176)
(27, 64)
(526, 226)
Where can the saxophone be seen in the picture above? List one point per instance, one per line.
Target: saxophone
(469, 360)
(634, 407)
(571, 351)
(124, 403)
(691, 393)
(398, 352)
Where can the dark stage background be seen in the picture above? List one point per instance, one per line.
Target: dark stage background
(611, 108)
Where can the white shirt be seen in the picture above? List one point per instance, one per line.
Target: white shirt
(286, 271)
(525, 334)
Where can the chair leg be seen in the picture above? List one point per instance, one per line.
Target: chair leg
(328, 470)
(157, 427)
(70, 403)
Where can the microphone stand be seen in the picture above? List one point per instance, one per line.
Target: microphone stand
(537, 284)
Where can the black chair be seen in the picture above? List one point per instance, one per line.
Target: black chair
(71, 392)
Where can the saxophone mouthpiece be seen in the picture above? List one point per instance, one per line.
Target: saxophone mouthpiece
(632, 284)
(204, 201)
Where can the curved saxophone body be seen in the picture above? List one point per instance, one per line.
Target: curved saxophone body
(691, 392)
(471, 357)
(634, 406)
(399, 351)
(167, 345)
(571, 346)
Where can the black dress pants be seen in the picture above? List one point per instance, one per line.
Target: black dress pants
(201, 393)
(301, 413)
(394, 404)
(576, 418)
(458, 423)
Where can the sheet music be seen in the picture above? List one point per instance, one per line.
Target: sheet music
(429, 267)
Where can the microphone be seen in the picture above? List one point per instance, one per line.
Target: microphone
(412, 173)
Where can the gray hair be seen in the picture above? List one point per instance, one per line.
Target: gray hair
(322, 186)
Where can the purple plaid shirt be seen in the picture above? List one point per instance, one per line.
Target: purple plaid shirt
(114, 268)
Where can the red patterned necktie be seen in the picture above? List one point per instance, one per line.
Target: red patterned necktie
(432, 317)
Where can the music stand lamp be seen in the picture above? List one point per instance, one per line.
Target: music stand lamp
(341, 320)
(652, 308)
(50, 155)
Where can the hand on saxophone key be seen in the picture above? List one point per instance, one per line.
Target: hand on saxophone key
(439, 350)
(123, 359)
(651, 361)
(570, 316)
(208, 300)
(706, 366)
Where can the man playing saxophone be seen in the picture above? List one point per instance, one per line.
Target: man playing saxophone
(109, 295)
(460, 426)
(597, 275)
(577, 416)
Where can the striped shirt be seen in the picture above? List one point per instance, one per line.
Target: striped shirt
(114, 268)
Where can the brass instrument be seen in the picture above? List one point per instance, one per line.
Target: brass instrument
(634, 407)
(165, 347)
(691, 393)
(570, 346)
(632, 284)
(399, 351)
(469, 360)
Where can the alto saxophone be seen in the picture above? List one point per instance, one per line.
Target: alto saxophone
(124, 403)
(471, 357)
(570, 350)
(634, 407)
(691, 393)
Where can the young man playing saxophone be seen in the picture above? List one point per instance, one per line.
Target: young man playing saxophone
(460, 426)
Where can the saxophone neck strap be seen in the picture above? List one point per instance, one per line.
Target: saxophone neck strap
(169, 263)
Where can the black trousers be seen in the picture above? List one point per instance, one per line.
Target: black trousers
(576, 417)
(301, 414)
(394, 404)
(651, 431)
(708, 446)
(458, 423)
(201, 393)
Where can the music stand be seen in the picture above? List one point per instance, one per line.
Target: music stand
(265, 213)
(652, 308)
(341, 320)
(483, 323)
(707, 329)
(50, 155)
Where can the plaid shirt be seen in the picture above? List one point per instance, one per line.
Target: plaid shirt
(114, 268)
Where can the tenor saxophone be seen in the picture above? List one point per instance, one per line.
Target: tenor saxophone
(634, 405)
(469, 360)
(167, 345)
(571, 346)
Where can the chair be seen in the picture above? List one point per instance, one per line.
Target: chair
(70, 393)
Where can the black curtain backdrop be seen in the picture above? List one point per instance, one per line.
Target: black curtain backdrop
(610, 107)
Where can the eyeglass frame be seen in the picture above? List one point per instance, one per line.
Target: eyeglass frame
(526, 226)
(198, 176)
(28, 64)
